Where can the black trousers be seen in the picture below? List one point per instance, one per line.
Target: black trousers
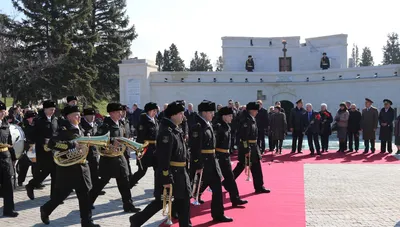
(23, 166)
(94, 169)
(127, 157)
(214, 182)
(233, 140)
(313, 140)
(229, 182)
(278, 144)
(354, 136)
(256, 171)
(367, 144)
(261, 140)
(43, 173)
(139, 174)
(180, 205)
(62, 193)
(388, 144)
(6, 190)
(271, 143)
(123, 187)
(324, 142)
(297, 139)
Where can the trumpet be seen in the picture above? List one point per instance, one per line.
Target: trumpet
(196, 188)
(247, 170)
(167, 198)
(69, 157)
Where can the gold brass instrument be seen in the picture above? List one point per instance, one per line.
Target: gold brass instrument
(196, 188)
(119, 147)
(167, 198)
(247, 170)
(78, 155)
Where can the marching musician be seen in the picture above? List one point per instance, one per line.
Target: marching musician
(113, 167)
(46, 126)
(7, 162)
(248, 147)
(171, 171)
(127, 134)
(222, 132)
(202, 150)
(24, 162)
(90, 129)
(75, 176)
(147, 132)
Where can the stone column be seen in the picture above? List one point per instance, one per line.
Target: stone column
(134, 81)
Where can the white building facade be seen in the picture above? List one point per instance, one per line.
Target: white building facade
(141, 83)
(268, 53)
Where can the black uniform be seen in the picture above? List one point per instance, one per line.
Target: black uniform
(249, 64)
(248, 144)
(325, 63)
(90, 129)
(296, 123)
(202, 150)
(7, 157)
(75, 177)
(171, 155)
(45, 128)
(113, 167)
(386, 132)
(223, 143)
(262, 125)
(127, 134)
(24, 162)
(146, 132)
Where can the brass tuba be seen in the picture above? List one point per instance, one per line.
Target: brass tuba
(120, 145)
(75, 156)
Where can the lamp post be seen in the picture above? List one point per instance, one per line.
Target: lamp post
(284, 54)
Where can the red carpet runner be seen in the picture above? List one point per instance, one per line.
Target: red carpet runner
(285, 205)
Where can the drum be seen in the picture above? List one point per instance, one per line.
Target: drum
(18, 139)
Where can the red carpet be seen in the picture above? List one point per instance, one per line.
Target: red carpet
(285, 205)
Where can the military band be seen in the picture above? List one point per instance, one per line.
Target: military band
(188, 152)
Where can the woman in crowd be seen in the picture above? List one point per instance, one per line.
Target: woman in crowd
(342, 119)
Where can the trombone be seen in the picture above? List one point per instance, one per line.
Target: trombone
(167, 197)
(247, 170)
(196, 188)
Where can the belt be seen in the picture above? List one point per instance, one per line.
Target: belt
(177, 164)
(150, 141)
(222, 150)
(252, 141)
(3, 149)
(208, 151)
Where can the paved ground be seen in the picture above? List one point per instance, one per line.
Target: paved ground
(352, 195)
(108, 210)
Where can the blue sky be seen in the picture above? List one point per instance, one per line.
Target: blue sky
(199, 25)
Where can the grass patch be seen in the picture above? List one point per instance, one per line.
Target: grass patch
(7, 101)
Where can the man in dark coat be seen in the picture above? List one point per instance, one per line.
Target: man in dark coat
(262, 125)
(248, 148)
(386, 118)
(171, 172)
(190, 116)
(202, 149)
(73, 176)
(90, 129)
(249, 64)
(46, 127)
(296, 125)
(112, 166)
(278, 127)
(326, 130)
(146, 132)
(369, 124)
(354, 127)
(7, 163)
(312, 121)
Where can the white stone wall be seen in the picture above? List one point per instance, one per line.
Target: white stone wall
(289, 86)
(304, 56)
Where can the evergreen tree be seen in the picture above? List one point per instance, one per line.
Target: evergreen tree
(159, 60)
(51, 35)
(391, 52)
(175, 60)
(166, 62)
(202, 63)
(219, 65)
(366, 57)
(110, 23)
(355, 55)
